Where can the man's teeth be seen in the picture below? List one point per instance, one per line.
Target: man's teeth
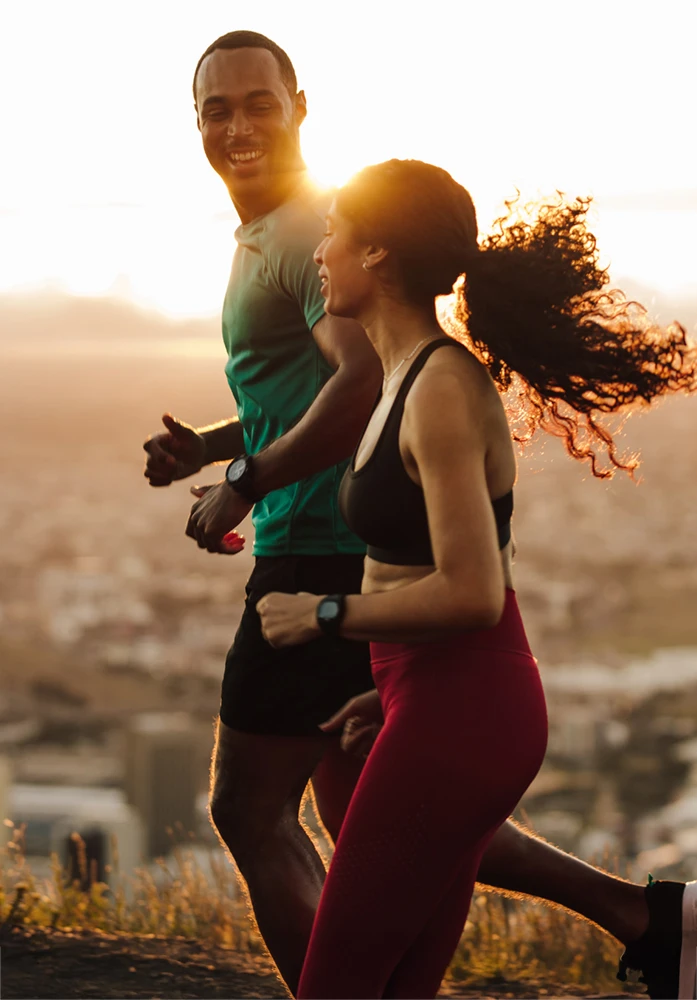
(242, 157)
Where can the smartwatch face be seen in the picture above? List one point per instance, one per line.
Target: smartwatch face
(328, 610)
(236, 470)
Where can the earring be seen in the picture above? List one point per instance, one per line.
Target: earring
(365, 266)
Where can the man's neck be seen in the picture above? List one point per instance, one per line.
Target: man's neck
(282, 190)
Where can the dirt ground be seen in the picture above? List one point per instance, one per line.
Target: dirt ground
(45, 965)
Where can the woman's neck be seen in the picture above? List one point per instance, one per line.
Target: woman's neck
(396, 328)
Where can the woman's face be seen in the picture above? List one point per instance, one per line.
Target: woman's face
(346, 284)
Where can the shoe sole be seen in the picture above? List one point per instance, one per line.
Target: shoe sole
(688, 950)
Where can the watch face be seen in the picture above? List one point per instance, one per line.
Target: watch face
(328, 610)
(236, 470)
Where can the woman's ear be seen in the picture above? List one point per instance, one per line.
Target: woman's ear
(374, 255)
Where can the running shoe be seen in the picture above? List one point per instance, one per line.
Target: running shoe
(666, 955)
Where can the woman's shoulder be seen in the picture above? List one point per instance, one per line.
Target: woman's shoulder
(453, 369)
(453, 395)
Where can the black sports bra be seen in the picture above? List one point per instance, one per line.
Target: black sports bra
(383, 506)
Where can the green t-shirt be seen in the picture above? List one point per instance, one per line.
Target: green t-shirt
(276, 370)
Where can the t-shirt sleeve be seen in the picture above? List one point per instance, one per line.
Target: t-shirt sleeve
(293, 267)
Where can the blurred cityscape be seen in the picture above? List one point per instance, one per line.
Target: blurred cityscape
(114, 626)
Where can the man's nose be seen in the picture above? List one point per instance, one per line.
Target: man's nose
(239, 125)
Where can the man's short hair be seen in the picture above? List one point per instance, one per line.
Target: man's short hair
(253, 40)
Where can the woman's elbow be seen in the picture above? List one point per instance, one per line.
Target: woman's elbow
(480, 610)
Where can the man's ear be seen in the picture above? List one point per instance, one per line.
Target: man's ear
(300, 107)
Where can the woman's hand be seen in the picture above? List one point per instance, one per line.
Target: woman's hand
(288, 619)
(361, 719)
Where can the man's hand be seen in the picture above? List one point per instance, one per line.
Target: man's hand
(361, 719)
(288, 619)
(217, 511)
(175, 454)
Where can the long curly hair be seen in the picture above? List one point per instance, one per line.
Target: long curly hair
(531, 302)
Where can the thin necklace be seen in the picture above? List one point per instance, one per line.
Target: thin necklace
(387, 378)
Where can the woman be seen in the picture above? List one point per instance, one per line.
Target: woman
(430, 492)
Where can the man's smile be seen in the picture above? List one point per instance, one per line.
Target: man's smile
(239, 156)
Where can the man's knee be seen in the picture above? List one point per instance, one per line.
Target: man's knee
(234, 823)
(254, 835)
(256, 788)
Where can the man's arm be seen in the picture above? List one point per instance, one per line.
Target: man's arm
(329, 430)
(327, 433)
(224, 440)
(182, 450)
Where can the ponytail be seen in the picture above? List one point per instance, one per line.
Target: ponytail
(534, 308)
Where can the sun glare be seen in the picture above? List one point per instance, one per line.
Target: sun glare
(129, 202)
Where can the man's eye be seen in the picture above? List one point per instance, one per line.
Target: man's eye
(260, 109)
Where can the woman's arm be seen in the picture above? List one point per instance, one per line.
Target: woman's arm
(443, 433)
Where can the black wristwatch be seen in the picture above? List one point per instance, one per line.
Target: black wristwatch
(330, 613)
(239, 476)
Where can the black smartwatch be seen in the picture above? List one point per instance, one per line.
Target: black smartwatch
(330, 613)
(240, 477)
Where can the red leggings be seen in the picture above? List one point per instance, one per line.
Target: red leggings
(465, 733)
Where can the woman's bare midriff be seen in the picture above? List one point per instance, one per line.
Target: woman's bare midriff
(379, 576)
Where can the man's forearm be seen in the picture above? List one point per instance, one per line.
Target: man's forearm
(327, 433)
(224, 440)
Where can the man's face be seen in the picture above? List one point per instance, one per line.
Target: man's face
(248, 120)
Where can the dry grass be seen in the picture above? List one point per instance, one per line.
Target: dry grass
(504, 940)
(525, 941)
(180, 902)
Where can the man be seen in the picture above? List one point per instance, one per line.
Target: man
(304, 383)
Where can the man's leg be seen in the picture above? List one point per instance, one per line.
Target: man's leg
(333, 784)
(257, 783)
(268, 747)
(518, 861)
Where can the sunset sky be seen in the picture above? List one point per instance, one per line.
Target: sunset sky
(104, 186)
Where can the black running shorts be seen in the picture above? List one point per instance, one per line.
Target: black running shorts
(288, 692)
